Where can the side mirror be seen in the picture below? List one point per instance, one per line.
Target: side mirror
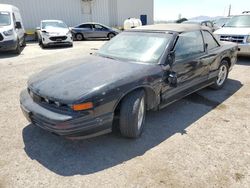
(170, 58)
(18, 25)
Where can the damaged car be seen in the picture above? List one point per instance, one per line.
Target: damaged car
(142, 69)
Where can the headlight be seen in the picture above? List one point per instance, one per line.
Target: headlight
(46, 33)
(248, 39)
(8, 33)
(68, 33)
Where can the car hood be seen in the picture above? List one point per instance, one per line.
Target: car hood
(70, 81)
(55, 30)
(232, 31)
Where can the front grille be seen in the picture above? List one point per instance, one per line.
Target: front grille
(58, 39)
(49, 104)
(1, 37)
(234, 38)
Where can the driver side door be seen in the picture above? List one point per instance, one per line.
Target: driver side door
(189, 67)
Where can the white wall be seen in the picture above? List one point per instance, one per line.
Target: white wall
(135, 8)
(109, 12)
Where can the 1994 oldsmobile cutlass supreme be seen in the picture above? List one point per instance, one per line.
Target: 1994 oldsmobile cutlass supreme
(142, 69)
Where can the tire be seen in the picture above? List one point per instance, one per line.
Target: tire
(79, 36)
(24, 42)
(43, 45)
(111, 35)
(222, 76)
(132, 114)
(18, 49)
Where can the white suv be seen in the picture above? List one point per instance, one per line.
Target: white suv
(237, 30)
(54, 32)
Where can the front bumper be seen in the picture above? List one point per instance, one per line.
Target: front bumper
(57, 40)
(71, 126)
(8, 45)
(244, 49)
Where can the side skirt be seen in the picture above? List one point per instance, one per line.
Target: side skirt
(185, 93)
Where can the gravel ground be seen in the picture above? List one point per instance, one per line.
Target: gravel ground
(200, 141)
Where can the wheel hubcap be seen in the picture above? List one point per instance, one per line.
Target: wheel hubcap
(79, 37)
(222, 75)
(141, 113)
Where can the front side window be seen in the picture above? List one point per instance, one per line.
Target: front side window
(99, 27)
(5, 18)
(136, 46)
(209, 40)
(189, 44)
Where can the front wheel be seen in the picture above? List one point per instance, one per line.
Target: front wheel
(222, 76)
(111, 35)
(79, 37)
(18, 49)
(132, 114)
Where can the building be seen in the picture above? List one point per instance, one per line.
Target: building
(73, 12)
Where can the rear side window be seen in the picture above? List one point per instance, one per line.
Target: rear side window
(209, 40)
(85, 26)
(189, 44)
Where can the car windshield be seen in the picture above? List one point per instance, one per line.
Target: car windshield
(239, 21)
(53, 24)
(5, 18)
(136, 46)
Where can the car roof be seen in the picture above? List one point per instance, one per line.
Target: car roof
(179, 28)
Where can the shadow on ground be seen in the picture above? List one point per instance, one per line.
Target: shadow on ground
(244, 60)
(9, 54)
(68, 158)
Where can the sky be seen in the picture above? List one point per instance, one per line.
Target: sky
(170, 9)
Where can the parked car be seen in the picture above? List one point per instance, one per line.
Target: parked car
(54, 32)
(93, 30)
(12, 33)
(206, 23)
(141, 69)
(237, 30)
(219, 23)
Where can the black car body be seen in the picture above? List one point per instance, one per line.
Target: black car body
(93, 30)
(106, 85)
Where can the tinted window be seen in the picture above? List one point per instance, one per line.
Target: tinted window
(99, 27)
(209, 39)
(85, 26)
(188, 44)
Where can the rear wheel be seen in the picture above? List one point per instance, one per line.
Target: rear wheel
(79, 36)
(222, 75)
(132, 114)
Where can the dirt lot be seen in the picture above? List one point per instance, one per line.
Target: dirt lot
(200, 141)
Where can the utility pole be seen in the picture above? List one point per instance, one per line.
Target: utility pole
(229, 11)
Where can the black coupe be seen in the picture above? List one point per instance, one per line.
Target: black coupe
(142, 69)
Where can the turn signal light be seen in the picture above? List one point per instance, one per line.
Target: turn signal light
(83, 106)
